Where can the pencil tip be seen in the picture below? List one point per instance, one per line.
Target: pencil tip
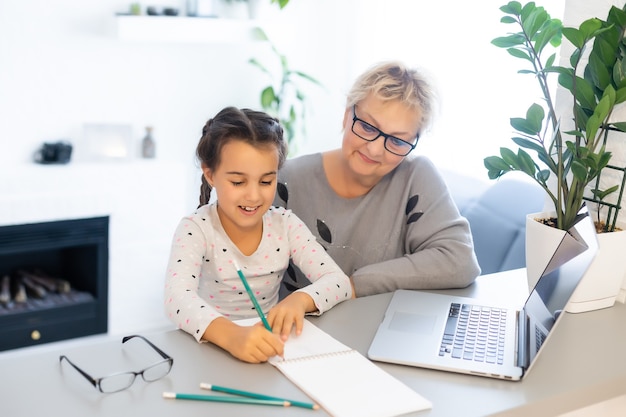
(204, 385)
(169, 395)
(316, 407)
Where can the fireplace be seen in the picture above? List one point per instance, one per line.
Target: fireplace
(59, 281)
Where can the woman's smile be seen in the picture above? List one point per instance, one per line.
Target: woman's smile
(366, 158)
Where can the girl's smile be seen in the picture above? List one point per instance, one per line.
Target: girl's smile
(245, 184)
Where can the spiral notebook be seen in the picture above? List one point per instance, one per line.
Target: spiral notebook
(341, 380)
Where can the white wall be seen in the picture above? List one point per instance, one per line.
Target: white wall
(62, 65)
(478, 83)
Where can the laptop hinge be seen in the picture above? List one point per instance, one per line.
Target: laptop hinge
(522, 339)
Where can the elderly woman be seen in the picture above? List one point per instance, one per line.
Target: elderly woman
(383, 213)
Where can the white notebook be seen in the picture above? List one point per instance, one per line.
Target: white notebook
(341, 380)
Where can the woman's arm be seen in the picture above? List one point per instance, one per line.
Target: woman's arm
(436, 243)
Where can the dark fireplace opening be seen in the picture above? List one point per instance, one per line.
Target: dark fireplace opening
(53, 281)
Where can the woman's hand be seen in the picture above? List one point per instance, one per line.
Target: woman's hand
(353, 290)
(289, 312)
(253, 344)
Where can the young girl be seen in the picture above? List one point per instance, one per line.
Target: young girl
(240, 153)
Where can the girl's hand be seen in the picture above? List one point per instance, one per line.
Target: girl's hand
(289, 312)
(253, 344)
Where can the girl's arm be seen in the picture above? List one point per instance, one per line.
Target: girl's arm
(191, 313)
(183, 305)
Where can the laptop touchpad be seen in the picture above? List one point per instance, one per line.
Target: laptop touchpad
(412, 322)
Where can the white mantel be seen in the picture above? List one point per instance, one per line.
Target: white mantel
(145, 200)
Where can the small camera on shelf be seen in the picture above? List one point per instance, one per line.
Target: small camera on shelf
(54, 153)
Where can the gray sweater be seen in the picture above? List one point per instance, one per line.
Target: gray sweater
(406, 232)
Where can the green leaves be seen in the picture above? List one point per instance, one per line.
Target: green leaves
(601, 195)
(496, 167)
(513, 7)
(580, 88)
(284, 98)
(281, 3)
(306, 77)
(619, 74)
(575, 37)
(510, 161)
(260, 66)
(577, 156)
(621, 126)
(508, 41)
(533, 122)
(269, 99)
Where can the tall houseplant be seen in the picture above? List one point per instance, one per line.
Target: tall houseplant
(569, 161)
(576, 157)
(284, 97)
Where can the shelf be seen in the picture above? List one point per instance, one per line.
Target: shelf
(186, 29)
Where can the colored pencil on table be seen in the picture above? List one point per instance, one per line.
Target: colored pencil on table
(252, 297)
(225, 399)
(293, 403)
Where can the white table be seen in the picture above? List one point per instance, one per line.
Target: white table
(583, 364)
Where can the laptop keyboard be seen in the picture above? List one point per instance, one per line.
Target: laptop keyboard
(540, 337)
(474, 333)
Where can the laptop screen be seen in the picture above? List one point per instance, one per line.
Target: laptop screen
(553, 290)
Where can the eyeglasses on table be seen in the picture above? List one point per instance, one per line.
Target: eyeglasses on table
(123, 380)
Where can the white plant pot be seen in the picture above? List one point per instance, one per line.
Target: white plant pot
(621, 297)
(547, 248)
(602, 282)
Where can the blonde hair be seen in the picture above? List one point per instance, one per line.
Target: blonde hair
(392, 80)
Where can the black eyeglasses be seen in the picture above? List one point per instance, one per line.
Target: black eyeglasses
(121, 381)
(370, 133)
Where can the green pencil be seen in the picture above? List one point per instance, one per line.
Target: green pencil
(217, 388)
(224, 399)
(252, 297)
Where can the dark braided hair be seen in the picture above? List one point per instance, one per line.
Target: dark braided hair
(255, 128)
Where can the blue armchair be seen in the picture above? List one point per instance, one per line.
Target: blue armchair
(497, 213)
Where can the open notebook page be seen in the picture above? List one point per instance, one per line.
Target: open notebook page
(341, 380)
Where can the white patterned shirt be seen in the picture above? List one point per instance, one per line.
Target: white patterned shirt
(202, 282)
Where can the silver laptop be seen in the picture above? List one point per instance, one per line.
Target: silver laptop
(461, 334)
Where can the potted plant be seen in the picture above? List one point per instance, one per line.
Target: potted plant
(281, 3)
(568, 162)
(284, 97)
(247, 8)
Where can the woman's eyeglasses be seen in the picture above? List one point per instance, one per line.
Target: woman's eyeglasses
(121, 381)
(370, 133)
